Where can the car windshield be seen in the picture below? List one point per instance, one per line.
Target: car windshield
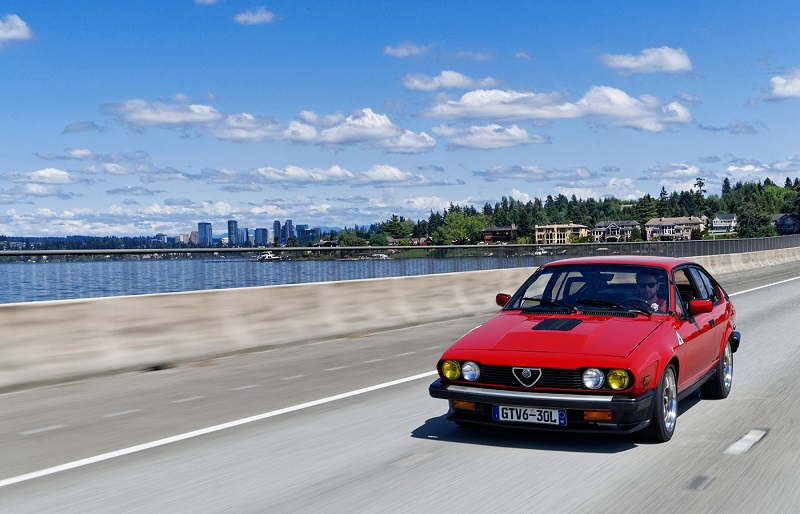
(591, 287)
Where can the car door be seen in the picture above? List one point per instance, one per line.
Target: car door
(717, 316)
(696, 332)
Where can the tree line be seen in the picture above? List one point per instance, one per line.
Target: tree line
(752, 202)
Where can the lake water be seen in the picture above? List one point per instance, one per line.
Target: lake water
(30, 282)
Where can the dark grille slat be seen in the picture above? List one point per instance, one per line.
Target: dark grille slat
(551, 378)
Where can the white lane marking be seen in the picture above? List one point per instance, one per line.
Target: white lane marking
(190, 399)
(203, 431)
(244, 387)
(44, 429)
(762, 287)
(123, 413)
(373, 361)
(294, 377)
(745, 443)
(337, 368)
(405, 354)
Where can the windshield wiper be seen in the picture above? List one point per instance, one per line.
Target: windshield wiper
(603, 303)
(551, 303)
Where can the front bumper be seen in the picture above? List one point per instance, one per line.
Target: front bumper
(627, 414)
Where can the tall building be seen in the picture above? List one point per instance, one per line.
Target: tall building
(261, 237)
(233, 232)
(276, 233)
(204, 234)
(288, 229)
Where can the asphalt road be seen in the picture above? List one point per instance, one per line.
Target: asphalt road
(347, 426)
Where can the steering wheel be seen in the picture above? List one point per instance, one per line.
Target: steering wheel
(637, 302)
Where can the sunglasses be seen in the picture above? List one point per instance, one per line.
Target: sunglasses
(646, 284)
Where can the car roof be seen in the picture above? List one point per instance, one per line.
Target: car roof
(632, 260)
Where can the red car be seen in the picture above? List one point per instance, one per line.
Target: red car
(595, 344)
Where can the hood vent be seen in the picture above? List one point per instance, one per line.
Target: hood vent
(561, 324)
(608, 313)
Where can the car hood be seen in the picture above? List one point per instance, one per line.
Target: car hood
(579, 335)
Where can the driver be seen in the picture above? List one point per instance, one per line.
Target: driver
(647, 285)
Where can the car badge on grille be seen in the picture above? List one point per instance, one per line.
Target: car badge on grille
(527, 376)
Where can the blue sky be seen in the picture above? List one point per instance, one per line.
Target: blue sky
(133, 118)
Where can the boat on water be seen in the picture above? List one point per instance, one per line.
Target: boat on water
(267, 257)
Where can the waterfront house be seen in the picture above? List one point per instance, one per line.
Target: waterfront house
(723, 223)
(500, 234)
(614, 231)
(673, 229)
(559, 234)
(786, 223)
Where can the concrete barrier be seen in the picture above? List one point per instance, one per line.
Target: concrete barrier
(46, 342)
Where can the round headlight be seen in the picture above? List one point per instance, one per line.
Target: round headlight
(618, 379)
(451, 370)
(593, 378)
(471, 371)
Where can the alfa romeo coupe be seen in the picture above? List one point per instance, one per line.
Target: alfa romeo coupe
(595, 344)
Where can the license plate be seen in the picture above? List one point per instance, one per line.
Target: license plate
(529, 415)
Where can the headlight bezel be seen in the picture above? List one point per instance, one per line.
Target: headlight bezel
(593, 378)
(617, 375)
(450, 369)
(470, 371)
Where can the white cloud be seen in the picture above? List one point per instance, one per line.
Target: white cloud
(257, 16)
(475, 56)
(535, 174)
(408, 142)
(246, 127)
(518, 195)
(677, 171)
(785, 86)
(650, 60)
(142, 114)
(509, 106)
(298, 132)
(579, 192)
(488, 137)
(405, 50)
(12, 27)
(616, 108)
(43, 176)
(384, 174)
(312, 118)
(522, 54)
(205, 2)
(447, 79)
(362, 126)
(297, 176)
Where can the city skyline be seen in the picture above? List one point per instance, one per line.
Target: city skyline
(138, 119)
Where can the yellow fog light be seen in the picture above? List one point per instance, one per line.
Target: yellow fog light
(451, 370)
(618, 379)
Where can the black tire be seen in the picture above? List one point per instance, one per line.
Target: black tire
(665, 408)
(719, 386)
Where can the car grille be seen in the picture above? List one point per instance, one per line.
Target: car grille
(550, 379)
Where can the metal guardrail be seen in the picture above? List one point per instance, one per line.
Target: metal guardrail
(69, 274)
(663, 248)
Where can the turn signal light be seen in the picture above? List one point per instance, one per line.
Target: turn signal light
(462, 405)
(597, 415)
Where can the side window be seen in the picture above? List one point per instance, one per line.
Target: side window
(712, 292)
(699, 285)
(685, 289)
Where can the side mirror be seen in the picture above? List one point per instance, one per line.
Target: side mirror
(502, 299)
(699, 306)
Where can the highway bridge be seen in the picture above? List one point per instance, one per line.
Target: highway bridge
(339, 422)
